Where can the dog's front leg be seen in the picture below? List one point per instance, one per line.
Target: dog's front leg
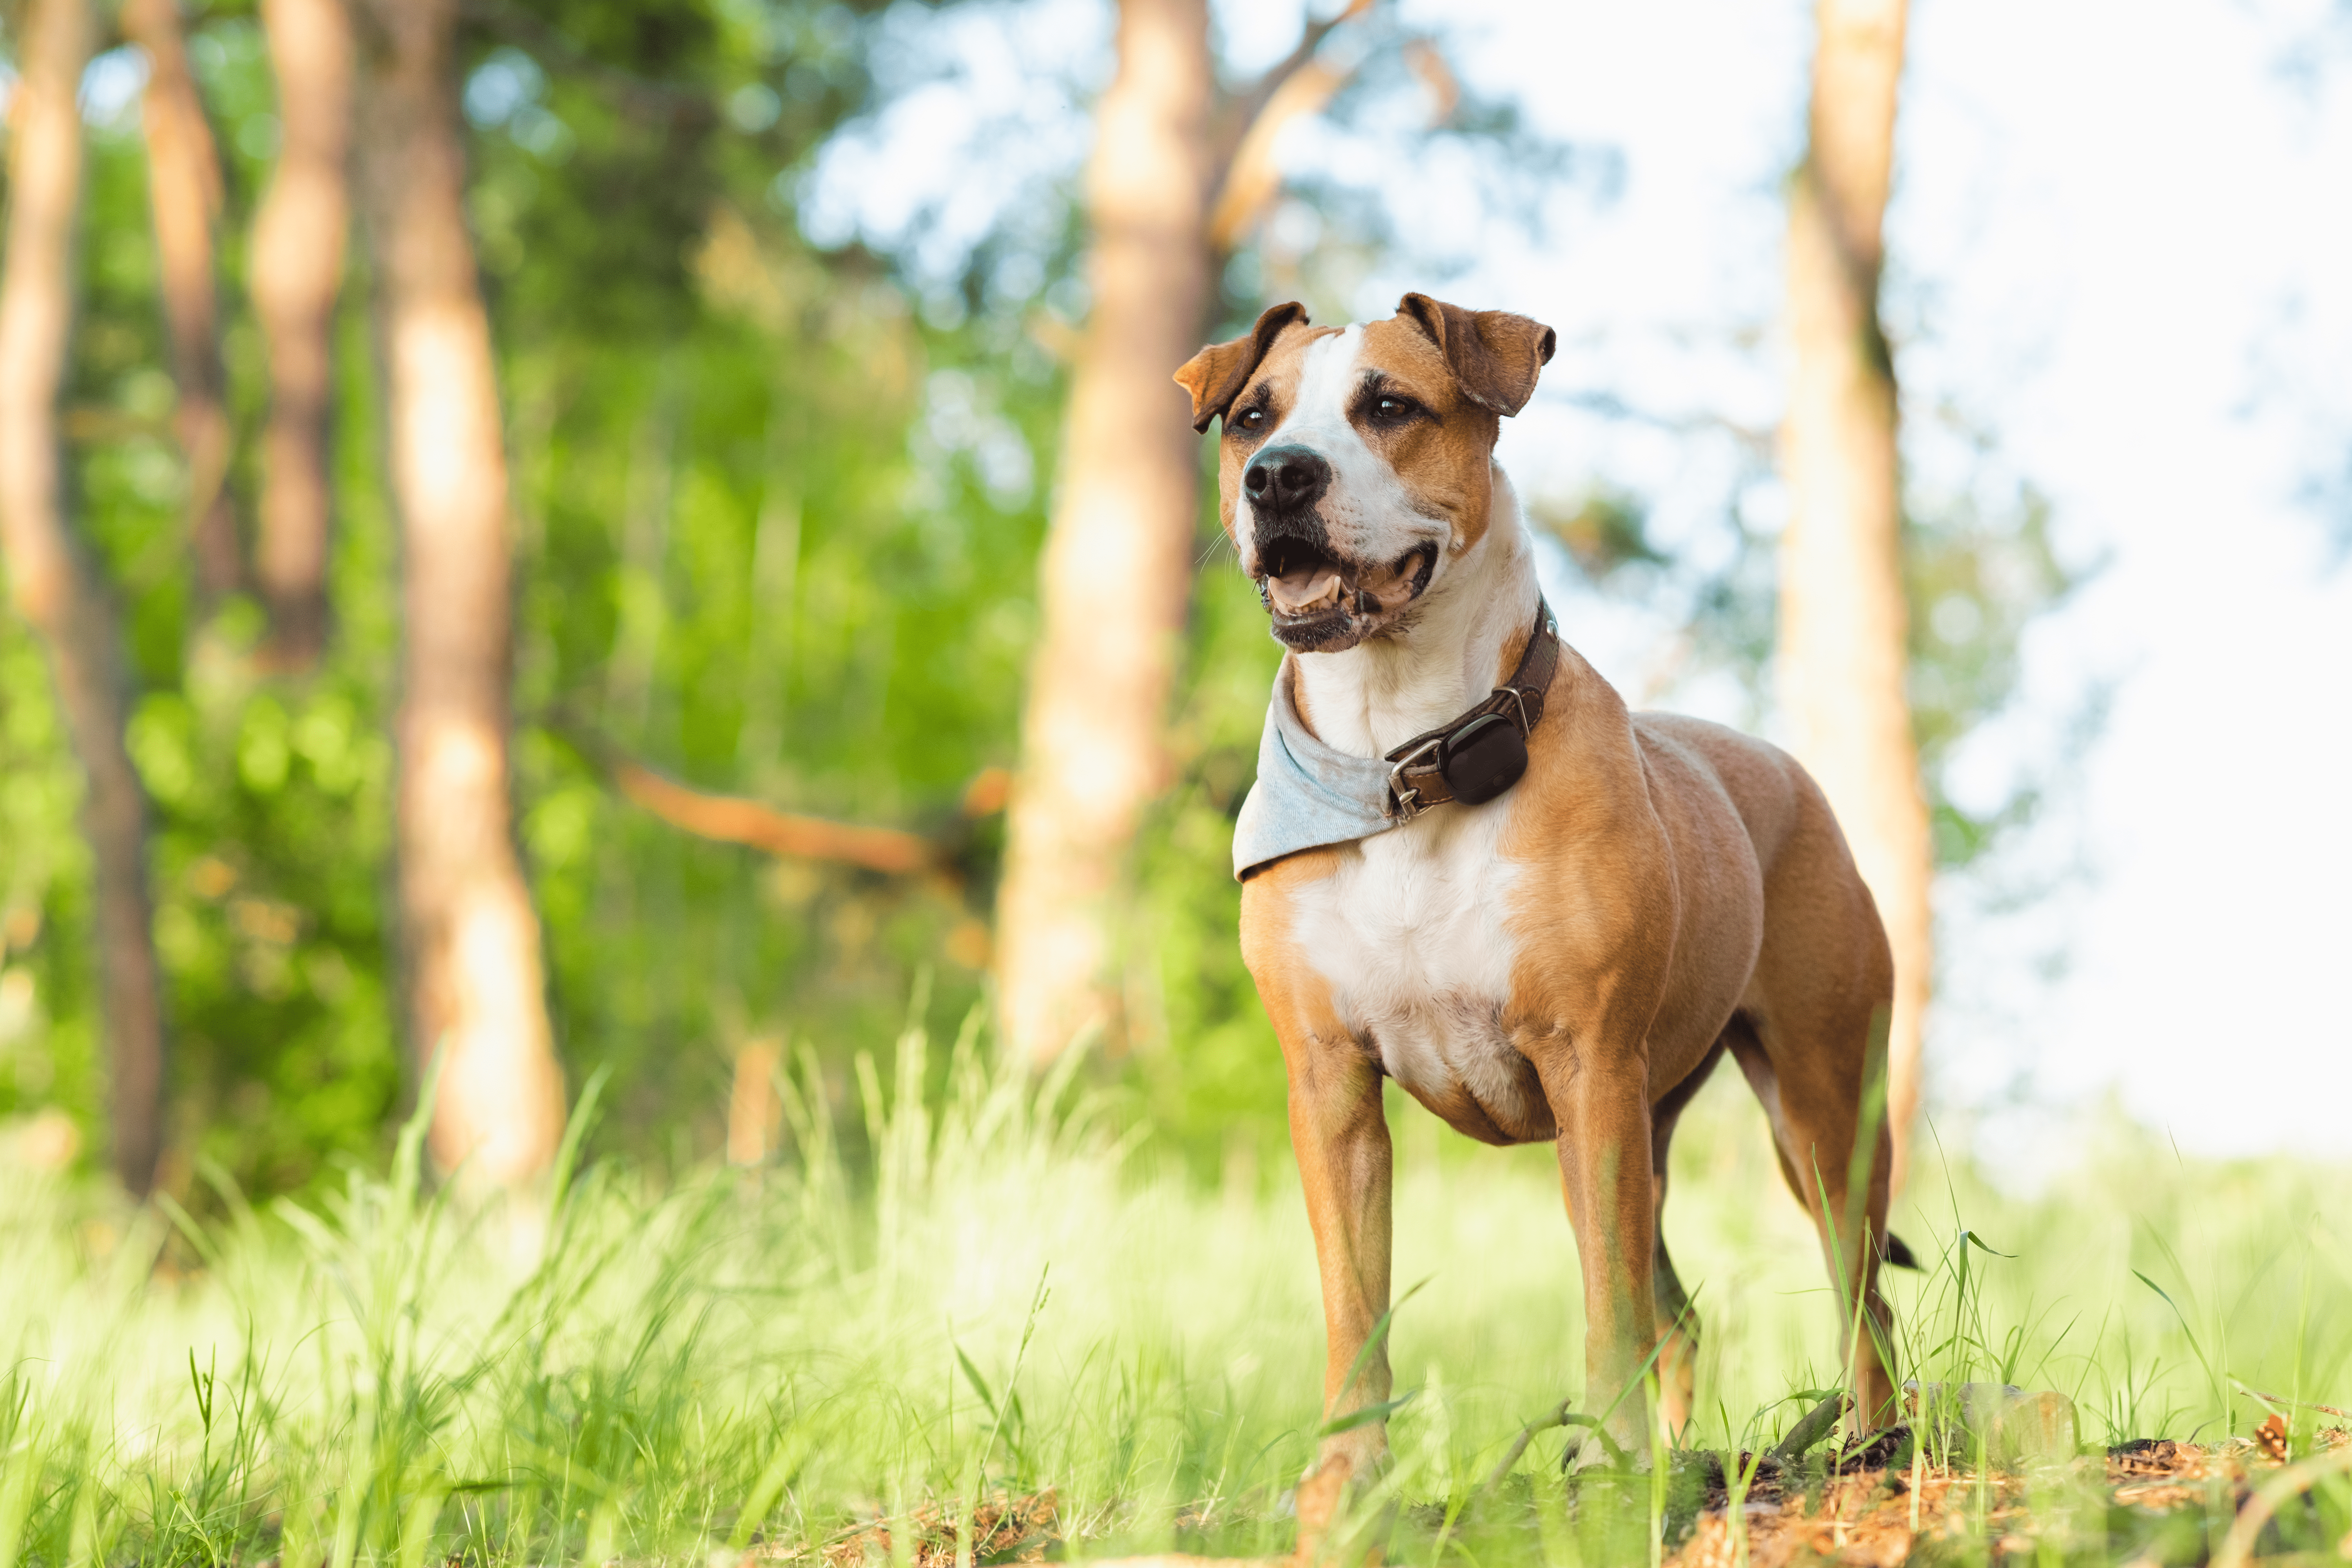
(1600, 1103)
(1341, 1138)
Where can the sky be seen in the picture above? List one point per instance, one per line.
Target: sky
(2120, 276)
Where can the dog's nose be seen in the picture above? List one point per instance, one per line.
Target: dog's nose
(1286, 477)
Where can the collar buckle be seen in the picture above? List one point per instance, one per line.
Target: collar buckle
(1520, 697)
(1406, 798)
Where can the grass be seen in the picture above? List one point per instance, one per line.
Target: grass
(1003, 1301)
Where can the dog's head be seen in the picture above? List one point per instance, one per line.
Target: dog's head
(1357, 462)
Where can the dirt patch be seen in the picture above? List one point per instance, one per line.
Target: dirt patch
(2153, 1501)
(1004, 1529)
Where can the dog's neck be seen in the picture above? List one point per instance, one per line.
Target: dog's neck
(1382, 692)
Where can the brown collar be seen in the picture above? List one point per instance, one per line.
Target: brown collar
(1480, 755)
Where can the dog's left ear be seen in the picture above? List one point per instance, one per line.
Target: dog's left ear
(1216, 375)
(1495, 355)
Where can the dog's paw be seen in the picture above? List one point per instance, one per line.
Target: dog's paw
(1362, 1452)
(1347, 1466)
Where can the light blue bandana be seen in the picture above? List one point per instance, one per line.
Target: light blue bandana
(1307, 794)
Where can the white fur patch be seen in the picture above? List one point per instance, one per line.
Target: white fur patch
(1368, 512)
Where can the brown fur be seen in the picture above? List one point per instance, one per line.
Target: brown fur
(1687, 893)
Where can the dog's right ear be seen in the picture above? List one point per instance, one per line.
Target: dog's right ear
(1216, 375)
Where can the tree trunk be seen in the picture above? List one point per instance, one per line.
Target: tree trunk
(51, 586)
(1844, 652)
(184, 193)
(297, 271)
(1117, 567)
(469, 935)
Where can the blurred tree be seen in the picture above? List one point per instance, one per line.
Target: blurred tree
(1176, 179)
(1117, 565)
(297, 270)
(183, 192)
(470, 940)
(51, 585)
(1844, 640)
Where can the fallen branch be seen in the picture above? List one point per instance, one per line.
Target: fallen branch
(732, 819)
(1562, 1417)
(2295, 1404)
(737, 819)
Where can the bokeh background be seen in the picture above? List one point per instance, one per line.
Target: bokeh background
(785, 301)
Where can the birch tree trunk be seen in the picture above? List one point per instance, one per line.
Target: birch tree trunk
(183, 195)
(50, 585)
(1117, 565)
(1844, 638)
(297, 272)
(469, 935)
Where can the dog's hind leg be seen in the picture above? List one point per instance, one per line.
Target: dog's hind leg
(1677, 1320)
(1817, 1107)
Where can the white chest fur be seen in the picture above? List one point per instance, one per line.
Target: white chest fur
(1411, 929)
(1410, 932)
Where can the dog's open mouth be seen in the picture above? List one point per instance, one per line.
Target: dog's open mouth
(1321, 603)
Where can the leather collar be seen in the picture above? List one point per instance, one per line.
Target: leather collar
(1477, 755)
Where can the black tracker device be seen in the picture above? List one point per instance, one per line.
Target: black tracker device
(1483, 758)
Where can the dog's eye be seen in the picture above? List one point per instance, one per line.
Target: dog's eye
(1253, 420)
(1392, 408)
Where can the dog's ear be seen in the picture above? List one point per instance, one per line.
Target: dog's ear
(1495, 355)
(1216, 375)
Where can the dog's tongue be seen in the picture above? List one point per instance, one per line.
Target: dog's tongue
(1308, 588)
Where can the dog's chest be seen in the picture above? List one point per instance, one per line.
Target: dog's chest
(1412, 931)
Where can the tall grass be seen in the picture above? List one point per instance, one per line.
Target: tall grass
(1007, 1297)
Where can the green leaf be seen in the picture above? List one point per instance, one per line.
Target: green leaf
(575, 1132)
(978, 1383)
(1367, 1415)
(1378, 1337)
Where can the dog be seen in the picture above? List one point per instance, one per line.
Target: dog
(1468, 867)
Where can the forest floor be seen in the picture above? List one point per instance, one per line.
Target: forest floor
(2150, 1502)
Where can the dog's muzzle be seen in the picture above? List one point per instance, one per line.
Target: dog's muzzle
(1321, 600)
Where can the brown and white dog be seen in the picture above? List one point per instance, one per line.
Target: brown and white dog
(1569, 959)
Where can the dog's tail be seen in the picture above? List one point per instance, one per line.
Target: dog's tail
(1893, 1250)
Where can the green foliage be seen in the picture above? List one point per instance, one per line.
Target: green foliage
(732, 559)
(271, 797)
(775, 534)
(1603, 533)
(47, 1012)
